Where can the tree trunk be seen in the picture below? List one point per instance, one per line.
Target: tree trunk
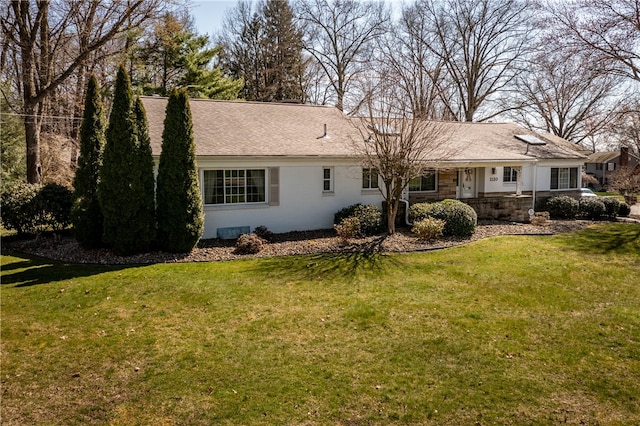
(32, 136)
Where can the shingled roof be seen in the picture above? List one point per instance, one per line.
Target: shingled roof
(255, 129)
(232, 128)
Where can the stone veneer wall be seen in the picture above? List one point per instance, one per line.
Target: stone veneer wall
(513, 208)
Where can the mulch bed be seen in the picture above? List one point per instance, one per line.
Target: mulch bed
(66, 249)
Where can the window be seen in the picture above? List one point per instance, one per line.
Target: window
(369, 179)
(509, 174)
(234, 186)
(564, 178)
(327, 179)
(598, 166)
(426, 182)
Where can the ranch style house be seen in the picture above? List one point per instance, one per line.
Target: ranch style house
(292, 167)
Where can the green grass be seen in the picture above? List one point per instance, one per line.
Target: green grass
(508, 330)
(611, 194)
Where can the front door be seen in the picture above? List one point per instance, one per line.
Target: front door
(467, 179)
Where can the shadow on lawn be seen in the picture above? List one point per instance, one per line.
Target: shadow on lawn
(603, 239)
(34, 271)
(349, 263)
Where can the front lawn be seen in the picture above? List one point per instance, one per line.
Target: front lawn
(506, 330)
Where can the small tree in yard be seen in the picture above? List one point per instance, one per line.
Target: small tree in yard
(123, 188)
(179, 202)
(625, 180)
(397, 145)
(86, 215)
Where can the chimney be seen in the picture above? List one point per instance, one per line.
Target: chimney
(624, 156)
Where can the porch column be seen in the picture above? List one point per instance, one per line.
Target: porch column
(518, 180)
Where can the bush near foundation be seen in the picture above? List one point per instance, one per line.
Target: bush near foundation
(460, 218)
(428, 229)
(369, 218)
(612, 206)
(592, 208)
(248, 244)
(562, 207)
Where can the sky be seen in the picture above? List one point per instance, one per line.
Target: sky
(209, 15)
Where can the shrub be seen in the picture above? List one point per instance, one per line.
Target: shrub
(429, 228)
(612, 206)
(369, 218)
(264, 233)
(30, 209)
(562, 207)
(625, 210)
(348, 228)
(248, 244)
(592, 208)
(18, 208)
(54, 203)
(539, 219)
(460, 219)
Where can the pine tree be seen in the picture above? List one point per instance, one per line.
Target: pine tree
(179, 202)
(122, 190)
(86, 215)
(264, 48)
(282, 45)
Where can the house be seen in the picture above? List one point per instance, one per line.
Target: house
(291, 167)
(601, 164)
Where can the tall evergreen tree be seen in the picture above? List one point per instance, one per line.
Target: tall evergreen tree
(179, 202)
(264, 48)
(147, 211)
(86, 215)
(283, 53)
(121, 190)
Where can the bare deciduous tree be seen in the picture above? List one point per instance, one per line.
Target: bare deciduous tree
(568, 96)
(397, 146)
(481, 43)
(340, 36)
(408, 60)
(608, 28)
(51, 40)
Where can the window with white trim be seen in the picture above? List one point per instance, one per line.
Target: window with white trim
(369, 178)
(509, 174)
(564, 178)
(428, 182)
(234, 186)
(327, 179)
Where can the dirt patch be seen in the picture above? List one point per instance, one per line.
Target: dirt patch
(66, 249)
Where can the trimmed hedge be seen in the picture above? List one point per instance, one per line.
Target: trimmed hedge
(428, 228)
(612, 206)
(625, 210)
(460, 218)
(562, 207)
(592, 208)
(369, 218)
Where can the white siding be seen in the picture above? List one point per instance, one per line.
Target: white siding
(303, 204)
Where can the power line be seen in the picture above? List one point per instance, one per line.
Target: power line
(66, 117)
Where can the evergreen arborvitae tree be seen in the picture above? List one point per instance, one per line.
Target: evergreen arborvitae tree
(123, 195)
(85, 214)
(179, 202)
(147, 202)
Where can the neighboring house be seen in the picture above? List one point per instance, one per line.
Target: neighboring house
(291, 167)
(601, 164)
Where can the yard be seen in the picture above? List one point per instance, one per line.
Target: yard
(505, 330)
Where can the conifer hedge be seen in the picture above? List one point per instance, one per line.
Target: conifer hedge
(179, 202)
(86, 215)
(122, 191)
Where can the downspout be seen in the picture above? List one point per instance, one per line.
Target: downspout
(535, 185)
(406, 212)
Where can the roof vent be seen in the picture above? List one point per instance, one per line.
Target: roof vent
(530, 139)
(326, 135)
